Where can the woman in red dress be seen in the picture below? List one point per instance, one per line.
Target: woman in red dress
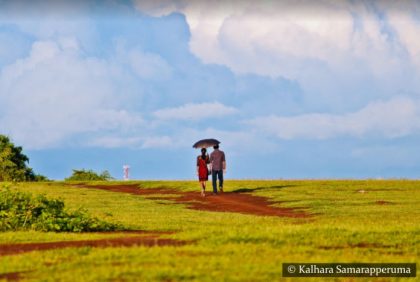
(202, 170)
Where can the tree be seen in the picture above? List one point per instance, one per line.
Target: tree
(89, 175)
(13, 163)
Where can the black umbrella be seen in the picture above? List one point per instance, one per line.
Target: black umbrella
(205, 143)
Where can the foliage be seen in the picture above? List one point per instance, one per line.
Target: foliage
(89, 175)
(41, 178)
(13, 163)
(22, 211)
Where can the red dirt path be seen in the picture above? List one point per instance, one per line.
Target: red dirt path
(239, 202)
(149, 239)
(11, 276)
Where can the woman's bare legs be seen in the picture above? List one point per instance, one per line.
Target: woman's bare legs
(203, 188)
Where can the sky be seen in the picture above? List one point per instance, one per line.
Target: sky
(292, 89)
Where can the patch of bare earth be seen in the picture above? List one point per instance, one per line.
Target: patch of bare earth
(381, 202)
(239, 202)
(143, 238)
(12, 276)
(358, 245)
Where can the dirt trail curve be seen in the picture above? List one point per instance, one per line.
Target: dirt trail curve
(141, 238)
(239, 202)
(136, 238)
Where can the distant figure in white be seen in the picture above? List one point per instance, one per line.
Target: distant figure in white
(126, 171)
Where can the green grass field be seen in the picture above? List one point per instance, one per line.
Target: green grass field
(353, 221)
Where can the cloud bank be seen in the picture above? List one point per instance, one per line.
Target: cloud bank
(277, 38)
(343, 54)
(394, 118)
(56, 93)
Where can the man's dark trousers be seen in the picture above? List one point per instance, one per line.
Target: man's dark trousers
(217, 174)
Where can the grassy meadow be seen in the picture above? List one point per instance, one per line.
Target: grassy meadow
(352, 221)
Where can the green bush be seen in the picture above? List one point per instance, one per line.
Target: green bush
(89, 175)
(23, 211)
(40, 178)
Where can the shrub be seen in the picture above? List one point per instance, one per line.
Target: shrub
(89, 175)
(39, 177)
(23, 211)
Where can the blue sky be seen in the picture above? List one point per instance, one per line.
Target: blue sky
(325, 90)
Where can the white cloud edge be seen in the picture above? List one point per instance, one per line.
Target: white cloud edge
(281, 42)
(195, 111)
(394, 118)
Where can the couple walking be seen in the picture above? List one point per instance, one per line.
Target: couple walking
(215, 164)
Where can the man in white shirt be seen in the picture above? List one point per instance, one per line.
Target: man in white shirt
(218, 167)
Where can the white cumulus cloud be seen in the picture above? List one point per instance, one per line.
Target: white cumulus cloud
(145, 65)
(57, 93)
(195, 112)
(394, 118)
(342, 54)
(135, 142)
(278, 38)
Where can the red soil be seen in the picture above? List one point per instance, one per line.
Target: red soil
(11, 276)
(358, 245)
(381, 202)
(239, 202)
(148, 239)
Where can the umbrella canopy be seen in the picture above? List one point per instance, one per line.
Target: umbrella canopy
(205, 143)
